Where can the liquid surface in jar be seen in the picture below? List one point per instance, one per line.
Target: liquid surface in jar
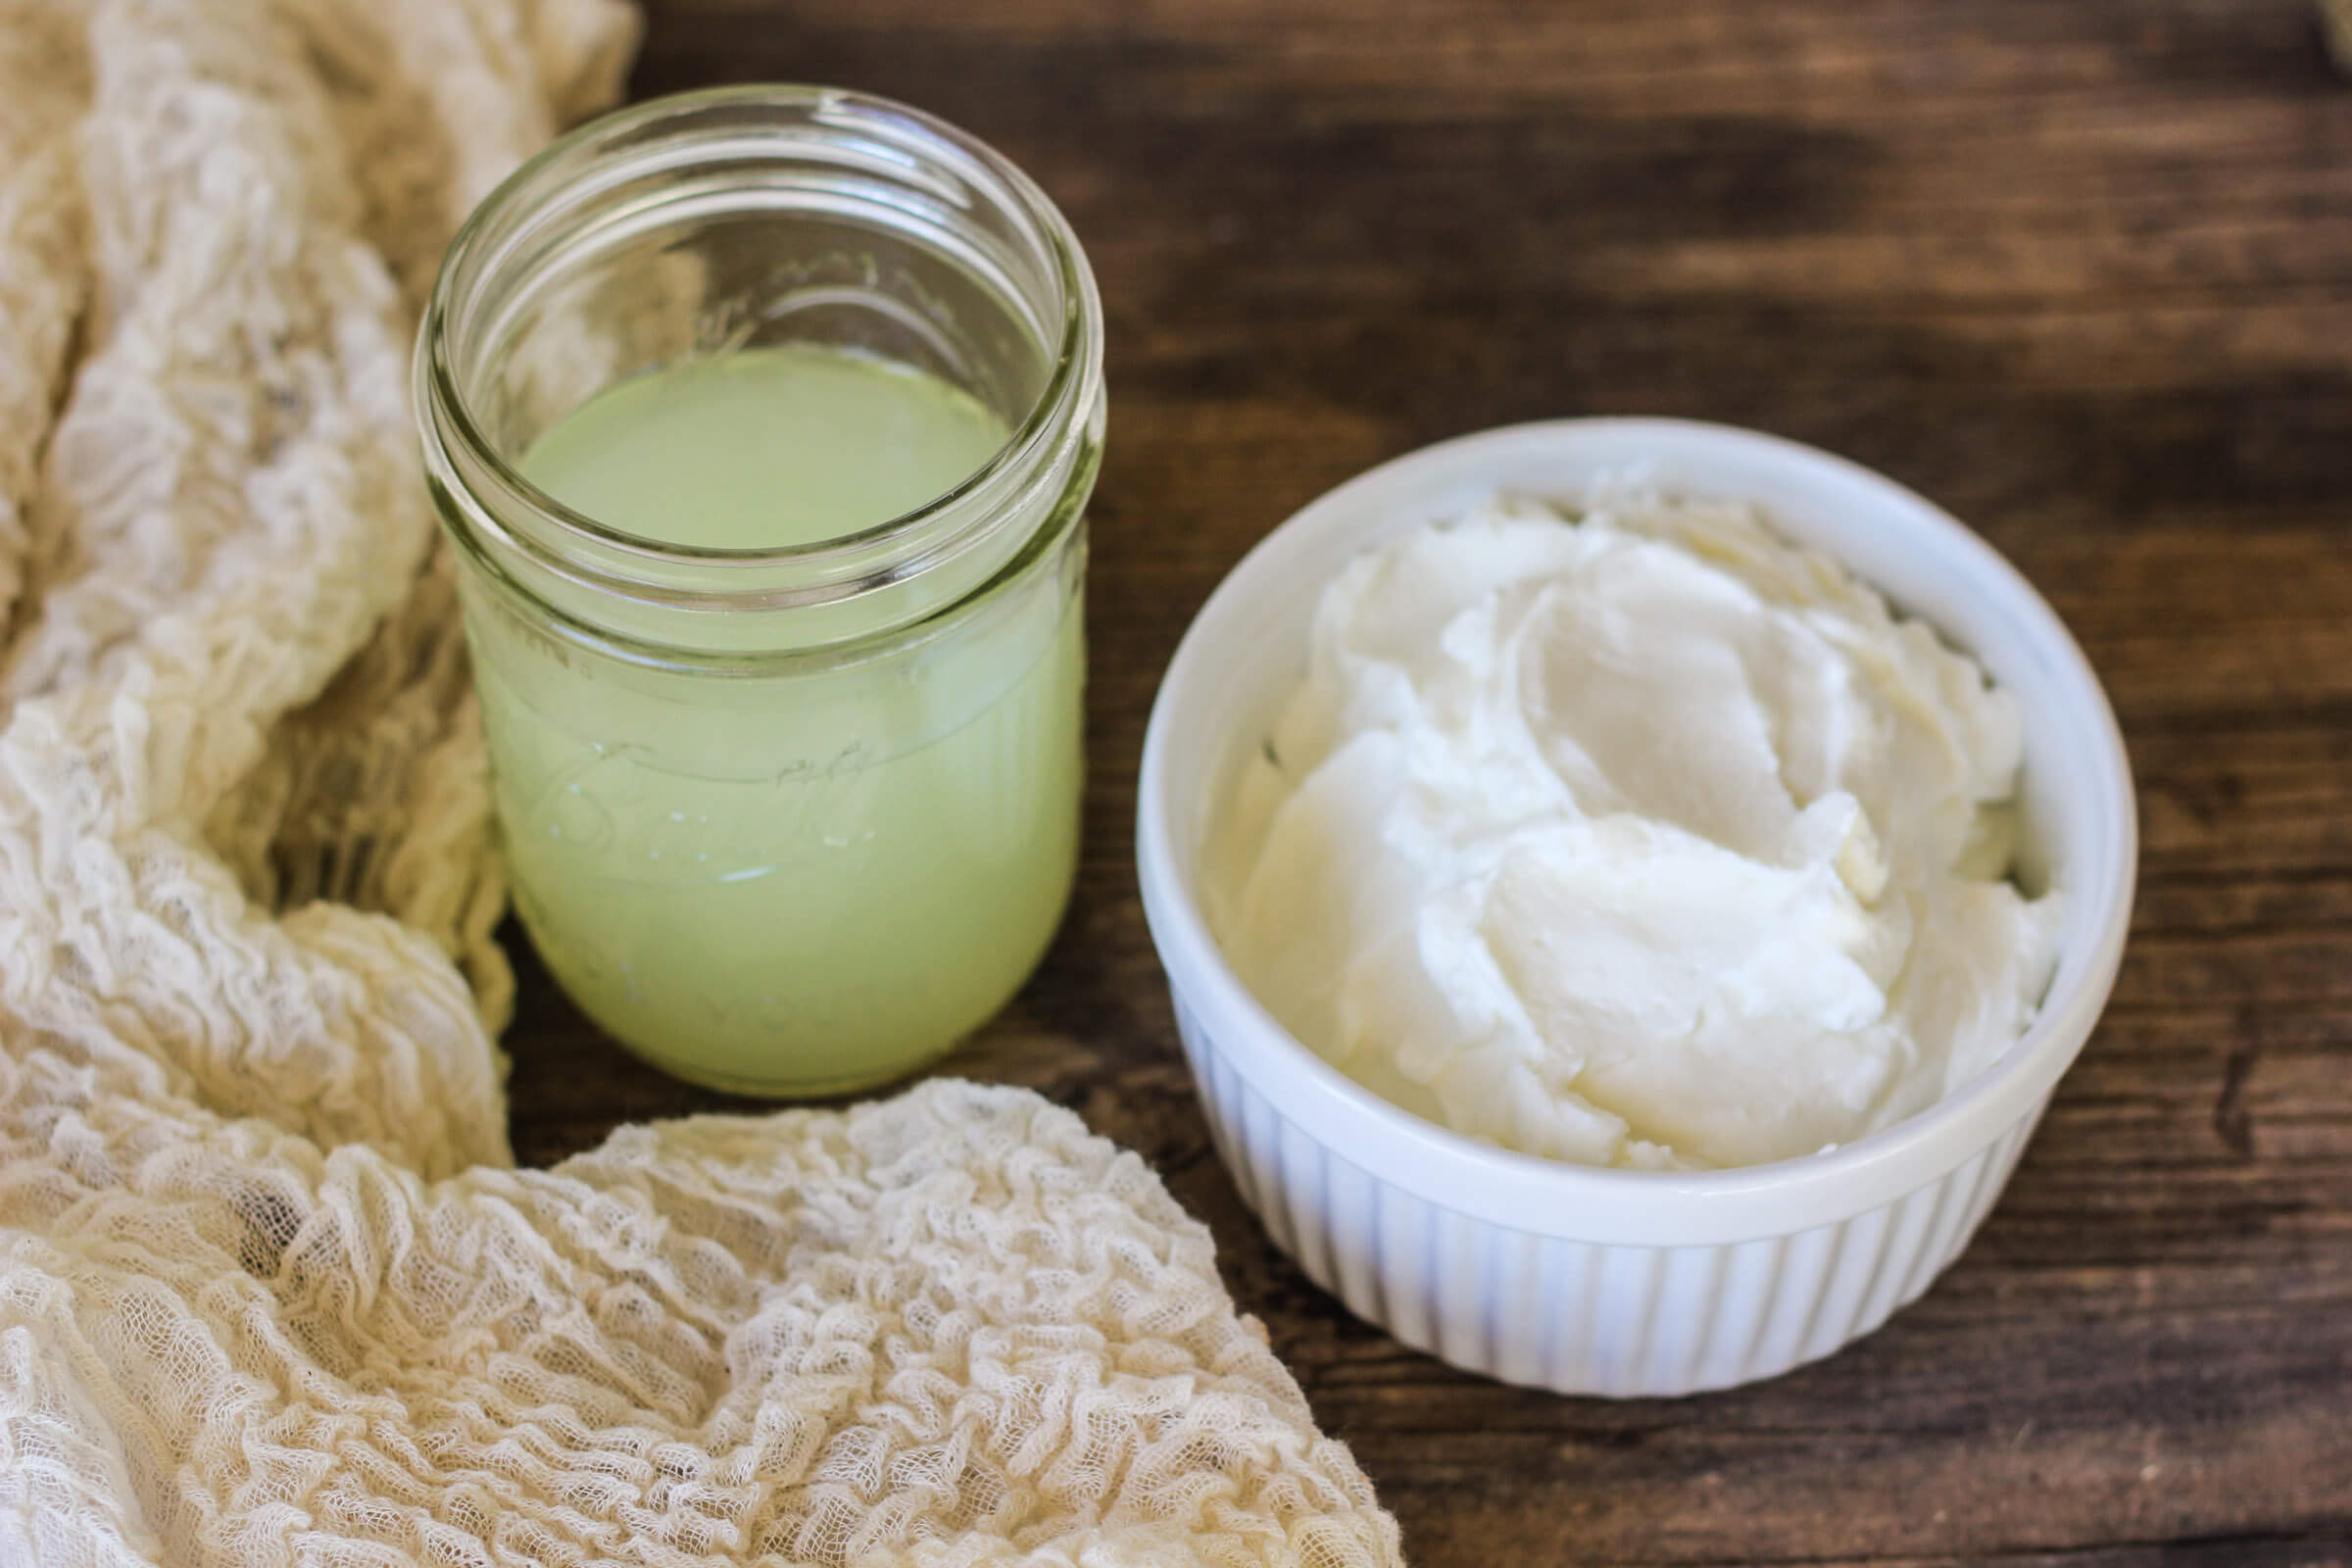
(765, 448)
(800, 882)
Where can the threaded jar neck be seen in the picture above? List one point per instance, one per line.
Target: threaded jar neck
(741, 218)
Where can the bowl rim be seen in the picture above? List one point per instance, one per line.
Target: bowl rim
(1549, 1197)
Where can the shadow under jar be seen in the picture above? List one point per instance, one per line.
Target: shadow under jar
(789, 793)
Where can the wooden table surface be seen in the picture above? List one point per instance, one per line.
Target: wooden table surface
(2082, 272)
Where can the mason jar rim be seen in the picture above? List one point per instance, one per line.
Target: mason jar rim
(838, 567)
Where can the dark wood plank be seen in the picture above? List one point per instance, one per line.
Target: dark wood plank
(2083, 272)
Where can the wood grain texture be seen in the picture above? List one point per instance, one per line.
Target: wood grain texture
(2082, 272)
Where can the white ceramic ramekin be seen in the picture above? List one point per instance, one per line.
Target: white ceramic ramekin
(1611, 1282)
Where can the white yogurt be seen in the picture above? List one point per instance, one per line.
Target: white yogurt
(1640, 837)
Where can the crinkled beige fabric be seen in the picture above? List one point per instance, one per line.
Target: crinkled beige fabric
(269, 1292)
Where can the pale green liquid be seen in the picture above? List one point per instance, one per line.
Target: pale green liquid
(765, 448)
(796, 883)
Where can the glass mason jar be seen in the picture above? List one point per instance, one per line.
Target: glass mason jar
(783, 821)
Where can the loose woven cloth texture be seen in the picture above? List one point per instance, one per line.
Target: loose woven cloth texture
(271, 1291)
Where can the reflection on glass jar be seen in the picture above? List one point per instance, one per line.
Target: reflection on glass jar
(765, 421)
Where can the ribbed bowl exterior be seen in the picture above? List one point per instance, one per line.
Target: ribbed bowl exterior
(1584, 1317)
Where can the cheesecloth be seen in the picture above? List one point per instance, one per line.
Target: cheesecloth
(270, 1291)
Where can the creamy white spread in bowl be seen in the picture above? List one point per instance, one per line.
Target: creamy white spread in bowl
(1632, 835)
(1586, 1034)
